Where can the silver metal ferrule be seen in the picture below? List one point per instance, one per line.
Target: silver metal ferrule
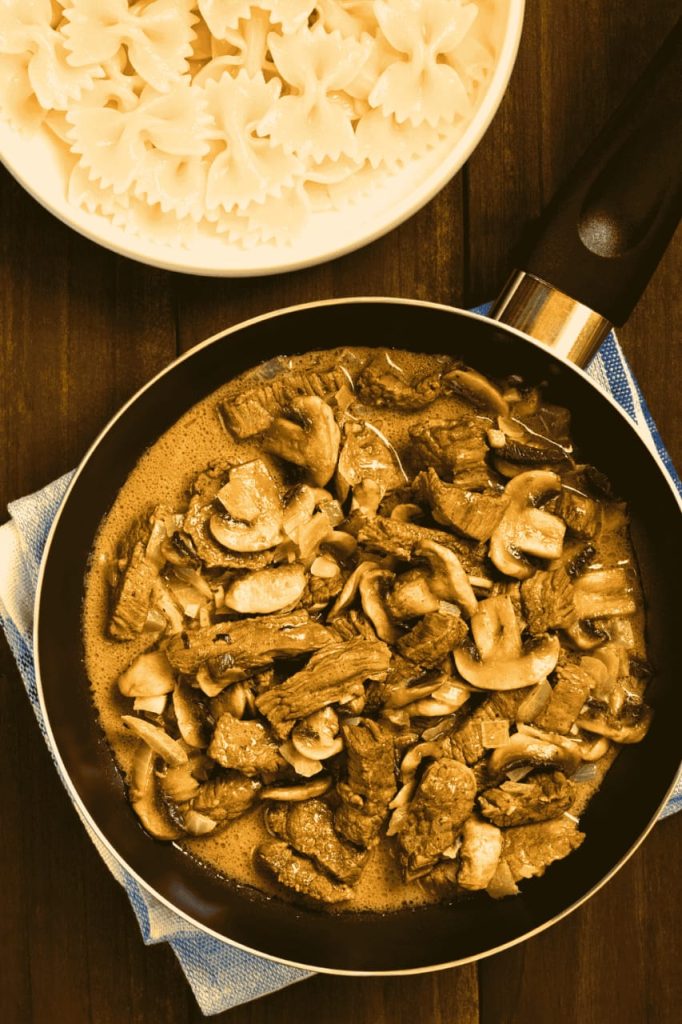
(567, 327)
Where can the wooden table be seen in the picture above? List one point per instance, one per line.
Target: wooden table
(81, 329)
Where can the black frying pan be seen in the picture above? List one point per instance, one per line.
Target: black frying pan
(599, 246)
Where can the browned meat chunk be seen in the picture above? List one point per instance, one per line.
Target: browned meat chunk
(392, 537)
(383, 384)
(456, 449)
(441, 805)
(469, 512)
(547, 599)
(571, 690)
(133, 597)
(528, 850)
(538, 455)
(244, 745)
(309, 828)
(335, 675)
(429, 642)
(370, 782)
(246, 643)
(543, 796)
(226, 797)
(299, 873)
(140, 560)
(466, 743)
(581, 514)
(253, 412)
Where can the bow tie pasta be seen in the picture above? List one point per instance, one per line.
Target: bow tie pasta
(240, 118)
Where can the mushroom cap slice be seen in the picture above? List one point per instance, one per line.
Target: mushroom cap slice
(156, 738)
(373, 604)
(250, 492)
(523, 749)
(477, 389)
(261, 535)
(528, 669)
(448, 579)
(525, 529)
(267, 590)
(312, 443)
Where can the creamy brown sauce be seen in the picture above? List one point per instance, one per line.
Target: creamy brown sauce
(162, 476)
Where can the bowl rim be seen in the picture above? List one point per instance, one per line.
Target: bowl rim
(268, 258)
(105, 846)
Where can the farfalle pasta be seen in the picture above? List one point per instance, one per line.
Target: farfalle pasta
(235, 118)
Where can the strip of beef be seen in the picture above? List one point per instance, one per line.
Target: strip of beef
(244, 745)
(429, 642)
(456, 449)
(548, 603)
(571, 690)
(471, 513)
(466, 743)
(543, 796)
(370, 782)
(299, 873)
(335, 675)
(581, 514)
(246, 643)
(528, 850)
(253, 411)
(383, 384)
(133, 594)
(393, 537)
(309, 827)
(441, 805)
(227, 796)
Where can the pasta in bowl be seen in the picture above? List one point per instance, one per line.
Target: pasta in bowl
(225, 137)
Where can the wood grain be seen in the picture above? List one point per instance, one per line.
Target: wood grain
(81, 329)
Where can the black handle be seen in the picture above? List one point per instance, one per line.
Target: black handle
(604, 232)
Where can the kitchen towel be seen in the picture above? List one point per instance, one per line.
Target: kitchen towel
(220, 974)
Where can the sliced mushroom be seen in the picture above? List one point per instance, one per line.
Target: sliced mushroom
(302, 765)
(153, 705)
(528, 669)
(406, 512)
(524, 750)
(373, 603)
(149, 675)
(305, 792)
(156, 738)
(311, 440)
(144, 797)
(324, 567)
(629, 724)
(448, 580)
(350, 590)
(524, 528)
(477, 389)
(262, 534)
(191, 721)
(267, 590)
(317, 736)
(252, 501)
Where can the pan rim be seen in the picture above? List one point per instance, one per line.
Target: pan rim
(80, 806)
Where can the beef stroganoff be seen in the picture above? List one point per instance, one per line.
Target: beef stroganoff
(364, 631)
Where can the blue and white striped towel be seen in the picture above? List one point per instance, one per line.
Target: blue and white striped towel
(221, 975)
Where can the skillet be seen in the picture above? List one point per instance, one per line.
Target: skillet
(588, 264)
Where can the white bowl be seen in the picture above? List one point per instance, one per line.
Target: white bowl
(40, 164)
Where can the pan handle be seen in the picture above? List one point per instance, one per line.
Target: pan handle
(604, 232)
